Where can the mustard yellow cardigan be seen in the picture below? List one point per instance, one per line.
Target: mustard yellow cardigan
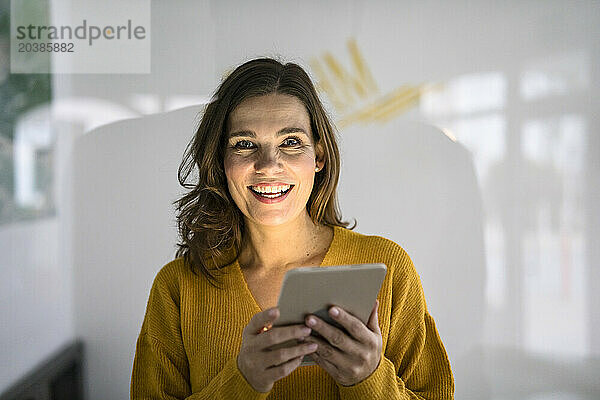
(192, 332)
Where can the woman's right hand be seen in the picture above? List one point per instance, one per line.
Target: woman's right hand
(261, 366)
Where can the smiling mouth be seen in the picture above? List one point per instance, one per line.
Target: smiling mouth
(271, 192)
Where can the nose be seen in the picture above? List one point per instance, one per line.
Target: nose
(268, 161)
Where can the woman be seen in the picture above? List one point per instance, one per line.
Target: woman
(264, 203)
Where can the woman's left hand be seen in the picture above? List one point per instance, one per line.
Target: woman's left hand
(349, 359)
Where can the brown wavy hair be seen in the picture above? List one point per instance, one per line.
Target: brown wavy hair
(209, 222)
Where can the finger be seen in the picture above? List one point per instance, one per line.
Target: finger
(280, 356)
(355, 327)
(333, 335)
(282, 334)
(373, 323)
(281, 371)
(328, 352)
(261, 320)
(327, 365)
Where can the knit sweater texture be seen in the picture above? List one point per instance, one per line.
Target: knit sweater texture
(192, 333)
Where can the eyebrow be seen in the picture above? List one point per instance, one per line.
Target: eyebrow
(281, 132)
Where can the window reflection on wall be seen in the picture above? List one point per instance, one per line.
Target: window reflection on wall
(471, 108)
(558, 74)
(553, 251)
(526, 132)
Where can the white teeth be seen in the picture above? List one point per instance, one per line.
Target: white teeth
(272, 196)
(270, 189)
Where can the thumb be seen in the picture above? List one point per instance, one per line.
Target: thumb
(373, 323)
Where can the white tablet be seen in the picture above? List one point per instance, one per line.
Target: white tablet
(313, 290)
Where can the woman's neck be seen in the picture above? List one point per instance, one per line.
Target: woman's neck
(272, 248)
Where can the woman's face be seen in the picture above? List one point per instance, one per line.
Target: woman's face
(270, 159)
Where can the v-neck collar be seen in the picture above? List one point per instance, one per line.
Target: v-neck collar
(326, 261)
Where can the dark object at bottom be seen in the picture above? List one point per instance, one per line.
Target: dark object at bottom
(60, 377)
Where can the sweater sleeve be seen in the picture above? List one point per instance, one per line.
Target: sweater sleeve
(414, 364)
(160, 367)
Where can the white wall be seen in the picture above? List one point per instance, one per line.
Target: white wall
(36, 317)
(36, 297)
(517, 323)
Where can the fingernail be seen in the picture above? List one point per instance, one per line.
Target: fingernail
(335, 312)
(311, 321)
(272, 313)
(312, 346)
(306, 331)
